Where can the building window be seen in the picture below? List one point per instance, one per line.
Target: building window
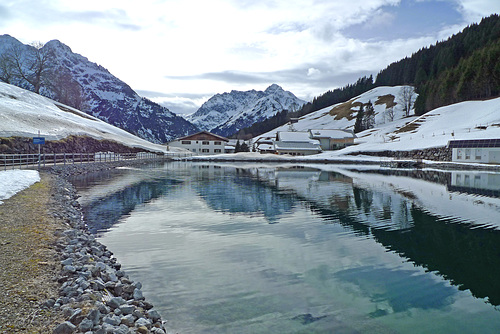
(205, 150)
(467, 154)
(217, 150)
(478, 154)
(205, 143)
(186, 142)
(459, 154)
(217, 143)
(194, 150)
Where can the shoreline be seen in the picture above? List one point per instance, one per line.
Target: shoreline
(95, 295)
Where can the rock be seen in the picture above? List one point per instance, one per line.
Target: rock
(157, 331)
(123, 329)
(70, 269)
(143, 322)
(153, 315)
(77, 317)
(143, 330)
(127, 309)
(94, 316)
(116, 302)
(137, 295)
(112, 320)
(67, 262)
(49, 303)
(128, 320)
(86, 325)
(64, 328)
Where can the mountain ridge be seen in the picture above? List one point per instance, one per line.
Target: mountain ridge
(91, 88)
(225, 114)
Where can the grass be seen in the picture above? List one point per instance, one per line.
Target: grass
(388, 100)
(345, 110)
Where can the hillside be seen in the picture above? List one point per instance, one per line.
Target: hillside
(26, 114)
(433, 129)
(343, 115)
(72, 79)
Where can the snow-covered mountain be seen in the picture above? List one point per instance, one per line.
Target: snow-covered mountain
(26, 114)
(226, 113)
(91, 88)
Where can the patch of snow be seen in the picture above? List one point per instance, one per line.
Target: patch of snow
(13, 181)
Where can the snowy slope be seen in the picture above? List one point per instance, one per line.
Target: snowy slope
(465, 120)
(343, 115)
(76, 81)
(226, 113)
(24, 114)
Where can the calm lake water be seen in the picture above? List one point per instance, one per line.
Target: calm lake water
(239, 248)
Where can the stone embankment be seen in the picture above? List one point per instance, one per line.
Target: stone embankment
(433, 154)
(96, 296)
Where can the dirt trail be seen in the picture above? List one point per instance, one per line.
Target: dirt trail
(28, 259)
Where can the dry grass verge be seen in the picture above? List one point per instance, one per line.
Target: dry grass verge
(28, 260)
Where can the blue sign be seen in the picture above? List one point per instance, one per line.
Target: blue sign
(39, 140)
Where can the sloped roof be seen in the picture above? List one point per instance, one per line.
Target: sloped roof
(295, 136)
(331, 133)
(203, 135)
(265, 147)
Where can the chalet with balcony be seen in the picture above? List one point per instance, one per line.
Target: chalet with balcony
(202, 143)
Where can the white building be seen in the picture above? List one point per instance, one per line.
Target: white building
(475, 150)
(202, 143)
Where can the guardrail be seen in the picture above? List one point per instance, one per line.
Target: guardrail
(13, 161)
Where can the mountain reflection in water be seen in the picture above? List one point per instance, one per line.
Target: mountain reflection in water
(288, 245)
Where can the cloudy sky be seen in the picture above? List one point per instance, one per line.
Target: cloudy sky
(181, 52)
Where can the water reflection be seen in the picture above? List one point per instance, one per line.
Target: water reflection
(104, 210)
(347, 250)
(245, 195)
(487, 184)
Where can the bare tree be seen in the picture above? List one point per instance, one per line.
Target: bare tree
(6, 69)
(407, 98)
(30, 66)
(66, 89)
(389, 113)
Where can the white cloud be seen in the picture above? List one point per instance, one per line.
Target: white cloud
(155, 45)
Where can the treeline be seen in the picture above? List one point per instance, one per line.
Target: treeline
(464, 67)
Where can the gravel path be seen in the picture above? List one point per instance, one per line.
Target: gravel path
(28, 259)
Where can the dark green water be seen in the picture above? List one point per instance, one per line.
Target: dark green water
(281, 249)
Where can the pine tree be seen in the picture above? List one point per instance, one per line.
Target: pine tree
(358, 126)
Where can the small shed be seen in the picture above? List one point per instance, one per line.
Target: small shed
(475, 150)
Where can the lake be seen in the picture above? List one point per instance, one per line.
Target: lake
(278, 248)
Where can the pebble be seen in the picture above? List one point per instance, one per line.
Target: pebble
(96, 296)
